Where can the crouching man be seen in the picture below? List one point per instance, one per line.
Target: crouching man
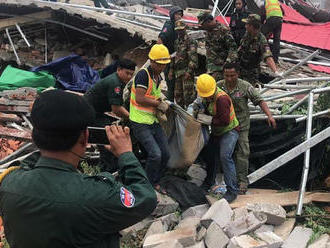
(51, 204)
(220, 115)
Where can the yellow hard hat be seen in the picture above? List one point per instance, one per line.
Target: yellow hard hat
(205, 85)
(160, 54)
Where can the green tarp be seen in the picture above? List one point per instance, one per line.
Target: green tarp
(13, 78)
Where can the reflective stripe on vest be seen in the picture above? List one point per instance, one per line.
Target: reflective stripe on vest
(143, 114)
(273, 8)
(212, 109)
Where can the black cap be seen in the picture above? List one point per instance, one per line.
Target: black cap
(59, 111)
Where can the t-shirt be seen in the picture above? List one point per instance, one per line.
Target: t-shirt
(142, 80)
(106, 92)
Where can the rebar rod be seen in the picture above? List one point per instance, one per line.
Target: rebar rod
(287, 94)
(139, 23)
(22, 34)
(314, 115)
(12, 45)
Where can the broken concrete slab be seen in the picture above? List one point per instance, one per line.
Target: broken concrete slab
(198, 245)
(196, 211)
(197, 174)
(285, 229)
(201, 232)
(245, 224)
(264, 228)
(189, 222)
(245, 241)
(239, 212)
(185, 236)
(166, 205)
(169, 220)
(276, 214)
(220, 212)
(170, 244)
(272, 240)
(132, 230)
(322, 242)
(215, 237)
(154, 228)
(298, 238)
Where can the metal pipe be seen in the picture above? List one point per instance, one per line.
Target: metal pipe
(308, 62)
(307, 154)
(139, 23)
(321, 90)
(111, 11)
(22, 34)
(46, 45)
(231, 1)
(285, 87)
(12, 45)
(276, 117)
(314, 115)
(287, 94)
(215, 6)
(13, 154)
(27, 121)
(293, 68)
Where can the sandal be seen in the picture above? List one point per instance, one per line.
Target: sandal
(160, 189)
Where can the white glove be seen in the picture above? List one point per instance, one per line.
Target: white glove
(206, 119)
(163, 106)
(278, 74)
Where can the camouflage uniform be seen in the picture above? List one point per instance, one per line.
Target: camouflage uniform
(185, 61)
(240, 96)
(220, 49)
(251, 52)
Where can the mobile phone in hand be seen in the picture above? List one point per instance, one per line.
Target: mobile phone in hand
(98, 136)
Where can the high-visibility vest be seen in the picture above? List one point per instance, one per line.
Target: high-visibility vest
(273, 8)
(212, 109)
(142, 114)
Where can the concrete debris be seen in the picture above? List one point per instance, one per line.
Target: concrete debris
(275, 213)
(196, 211)
(169, 221)
(197, 174)
(239, 212)
(155, 227)
(166, 205)
(215, 237)
(189, 222)
(285, 228)
(201, 232)
(246, 241)
(132, 230)
(272, 240)
(220, 212)
(245, 224)
(322, 242)
(170, 244)
(298, 238)
(264, 228)
(198, 245)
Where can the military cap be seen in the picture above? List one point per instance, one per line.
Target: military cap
(252, 18)
(203, 17)
(180, 25)
(57, 111)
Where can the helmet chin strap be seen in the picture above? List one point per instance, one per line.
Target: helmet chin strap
(83, 158)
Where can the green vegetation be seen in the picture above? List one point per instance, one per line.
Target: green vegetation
(88, 169)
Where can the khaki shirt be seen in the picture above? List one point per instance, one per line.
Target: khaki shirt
(243, 92)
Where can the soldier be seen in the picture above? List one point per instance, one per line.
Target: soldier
(219, 43)
(240, 92)
(183, 66)
(50, 204)
(252, 50)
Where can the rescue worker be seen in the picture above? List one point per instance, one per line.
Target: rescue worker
(240, 93)
(183, 66)
(145, 103)
(50, 204)
(220, 114)
(219, 43)
(107, 96)
(252, 50)
(273, 25)
(167, 37)
(237, 27)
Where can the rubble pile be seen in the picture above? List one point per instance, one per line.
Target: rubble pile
(219, 226)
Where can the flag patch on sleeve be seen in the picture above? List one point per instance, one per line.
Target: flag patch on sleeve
(127, 198)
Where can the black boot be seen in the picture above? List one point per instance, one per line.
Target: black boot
(230, 196)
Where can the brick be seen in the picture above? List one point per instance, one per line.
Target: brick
(166, 205)
(298, 238)
(185, 236)
(322, 242)
(6, 132)
(245, 241)
(272, 240)
(276, 214)
(285, 229)
(196, 211)
(215, 237)
(245, 224)
(220, 212)
(9, 117)
(264, 228)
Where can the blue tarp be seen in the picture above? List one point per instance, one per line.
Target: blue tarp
(72, 72)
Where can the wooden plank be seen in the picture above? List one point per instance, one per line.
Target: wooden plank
(289, 155)
(4, 23)
(14, 109)
(261, 191)
(5, 101)
(283, 199)
(6, 132)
